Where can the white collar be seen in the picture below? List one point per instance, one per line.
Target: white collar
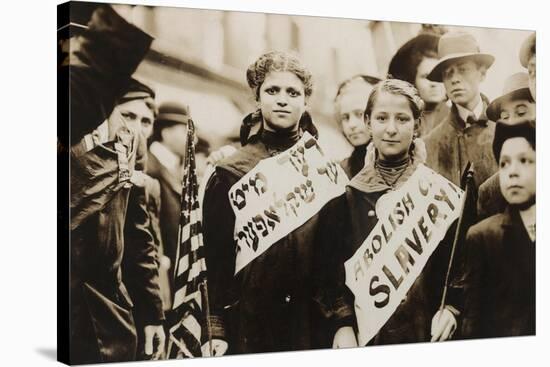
(166, 157)
(476, 112)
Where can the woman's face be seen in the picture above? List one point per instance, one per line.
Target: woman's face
(282, 101)
(138, 116)
(430, 92)
(392, 125)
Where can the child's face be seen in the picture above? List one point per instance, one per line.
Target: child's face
(514, 111)
(392, 124)
(517, 171)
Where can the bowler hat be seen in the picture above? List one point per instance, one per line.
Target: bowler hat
(456, 46)
(515, 87)
(527, 49)
(174, 113)
(169, 114)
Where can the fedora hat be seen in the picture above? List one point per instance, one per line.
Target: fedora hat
(169, 114)
(527, 49)
(456, 46)
(516, 87)
(173, 113)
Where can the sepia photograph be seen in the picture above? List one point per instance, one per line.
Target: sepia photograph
(240, 182)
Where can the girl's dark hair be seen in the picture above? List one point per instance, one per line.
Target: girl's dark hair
(277, 61)
(397, 87)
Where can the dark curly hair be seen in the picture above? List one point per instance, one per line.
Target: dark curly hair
(277, 61)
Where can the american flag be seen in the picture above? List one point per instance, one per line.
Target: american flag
(187, 315)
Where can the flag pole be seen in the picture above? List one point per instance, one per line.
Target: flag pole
(458, 232)
(204, 283)
(208, 323)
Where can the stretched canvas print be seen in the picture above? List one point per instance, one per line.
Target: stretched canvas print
(234, 182)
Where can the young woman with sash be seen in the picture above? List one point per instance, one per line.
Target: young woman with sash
(392, 115)
(274, 302)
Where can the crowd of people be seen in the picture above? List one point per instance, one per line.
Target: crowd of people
(126, 182)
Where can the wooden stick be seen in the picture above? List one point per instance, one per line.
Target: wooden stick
(469, 177)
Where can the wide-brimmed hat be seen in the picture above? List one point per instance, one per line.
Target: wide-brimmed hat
(516, 87)
(456, 46)
(401, 66)
(527, 49)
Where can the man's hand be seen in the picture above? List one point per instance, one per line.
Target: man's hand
(219, 348)
(154, 341)
(443, 325)
(344, 338)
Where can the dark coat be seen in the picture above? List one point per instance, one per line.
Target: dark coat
(500, 278)
(275, 303)
(450, 145)
(102, 326)
(490, 200)
(355, 217)
(432, 118)
(170, 205)
(355, 162)
(140, 263)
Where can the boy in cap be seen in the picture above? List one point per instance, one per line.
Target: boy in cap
(515, 105)
(500, 268)
(465, 135)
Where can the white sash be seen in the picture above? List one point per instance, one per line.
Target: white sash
(412, 222)
(280, 194)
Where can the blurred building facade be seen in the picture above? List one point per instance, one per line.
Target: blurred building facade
(200, 58)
